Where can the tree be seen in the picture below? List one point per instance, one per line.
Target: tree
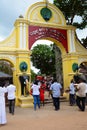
(73, 8)
(84, 42)
(43, 58)
(5, 67)
(58, 64)
(33, 75)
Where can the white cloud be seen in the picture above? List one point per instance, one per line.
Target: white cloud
(81, 33)
(10, 10)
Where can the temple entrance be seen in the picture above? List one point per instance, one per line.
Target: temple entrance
(40, 22)
(49, 63)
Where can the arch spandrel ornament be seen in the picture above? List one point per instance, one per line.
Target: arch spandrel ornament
(33, 14)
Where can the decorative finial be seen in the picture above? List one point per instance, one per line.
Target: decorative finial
(46, 13)
(46, 1)
(21, 16)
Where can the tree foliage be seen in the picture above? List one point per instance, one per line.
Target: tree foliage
(71, 9)
(5, 67)
(84, 42)
(58, 64)
(33, 75)
(43, 58)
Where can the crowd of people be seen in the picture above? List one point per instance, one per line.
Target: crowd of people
(77, 92)
(77, 95)
(39, 87)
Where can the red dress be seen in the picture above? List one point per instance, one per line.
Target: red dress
(42, 89)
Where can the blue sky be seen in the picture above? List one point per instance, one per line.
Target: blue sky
(10, 10)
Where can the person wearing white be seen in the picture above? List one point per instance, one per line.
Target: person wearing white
(81, 94)
(3, 119)
(11, 97)
(72, 93)
(86, 94)
(36, 94)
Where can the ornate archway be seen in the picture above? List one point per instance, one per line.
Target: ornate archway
(42, 21)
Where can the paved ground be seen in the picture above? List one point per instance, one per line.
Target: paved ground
(45, 118)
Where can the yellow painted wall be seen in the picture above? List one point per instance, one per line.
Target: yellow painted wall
(15, 47)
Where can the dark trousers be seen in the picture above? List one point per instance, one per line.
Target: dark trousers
(11, 105)
(56, 102)
(86, 99)
(72, 99)
(80, 101)
(22, 89)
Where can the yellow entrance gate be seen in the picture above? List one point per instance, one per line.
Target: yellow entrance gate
(42, 20)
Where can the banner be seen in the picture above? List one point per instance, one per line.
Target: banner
(37, 32)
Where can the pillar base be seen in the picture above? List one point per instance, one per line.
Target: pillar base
(25, 101)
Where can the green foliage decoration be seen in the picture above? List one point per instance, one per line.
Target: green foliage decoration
(75, 67)
(23, 66)
(46, 13)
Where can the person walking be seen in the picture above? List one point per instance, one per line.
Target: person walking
(35, 88)
(3, 119)
(81, 94)
(86, 94)
(11, 97)
(42, 91)
(72, 93)
(55, 89)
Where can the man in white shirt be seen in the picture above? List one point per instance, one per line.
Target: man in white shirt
(11, 97)
(81, 95)
(72, 93)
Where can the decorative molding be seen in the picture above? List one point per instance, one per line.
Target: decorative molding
(51, 7)
(72, 41)
(24, 37)
(34, 17)
(80, 60)
(21, 41)
(10, 43)
(11, 58)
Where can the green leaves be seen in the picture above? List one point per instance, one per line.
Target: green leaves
(72, 8)
(43, 58)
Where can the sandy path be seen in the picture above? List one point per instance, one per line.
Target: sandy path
(67, 118)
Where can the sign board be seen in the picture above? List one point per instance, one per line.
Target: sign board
(37, 32)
